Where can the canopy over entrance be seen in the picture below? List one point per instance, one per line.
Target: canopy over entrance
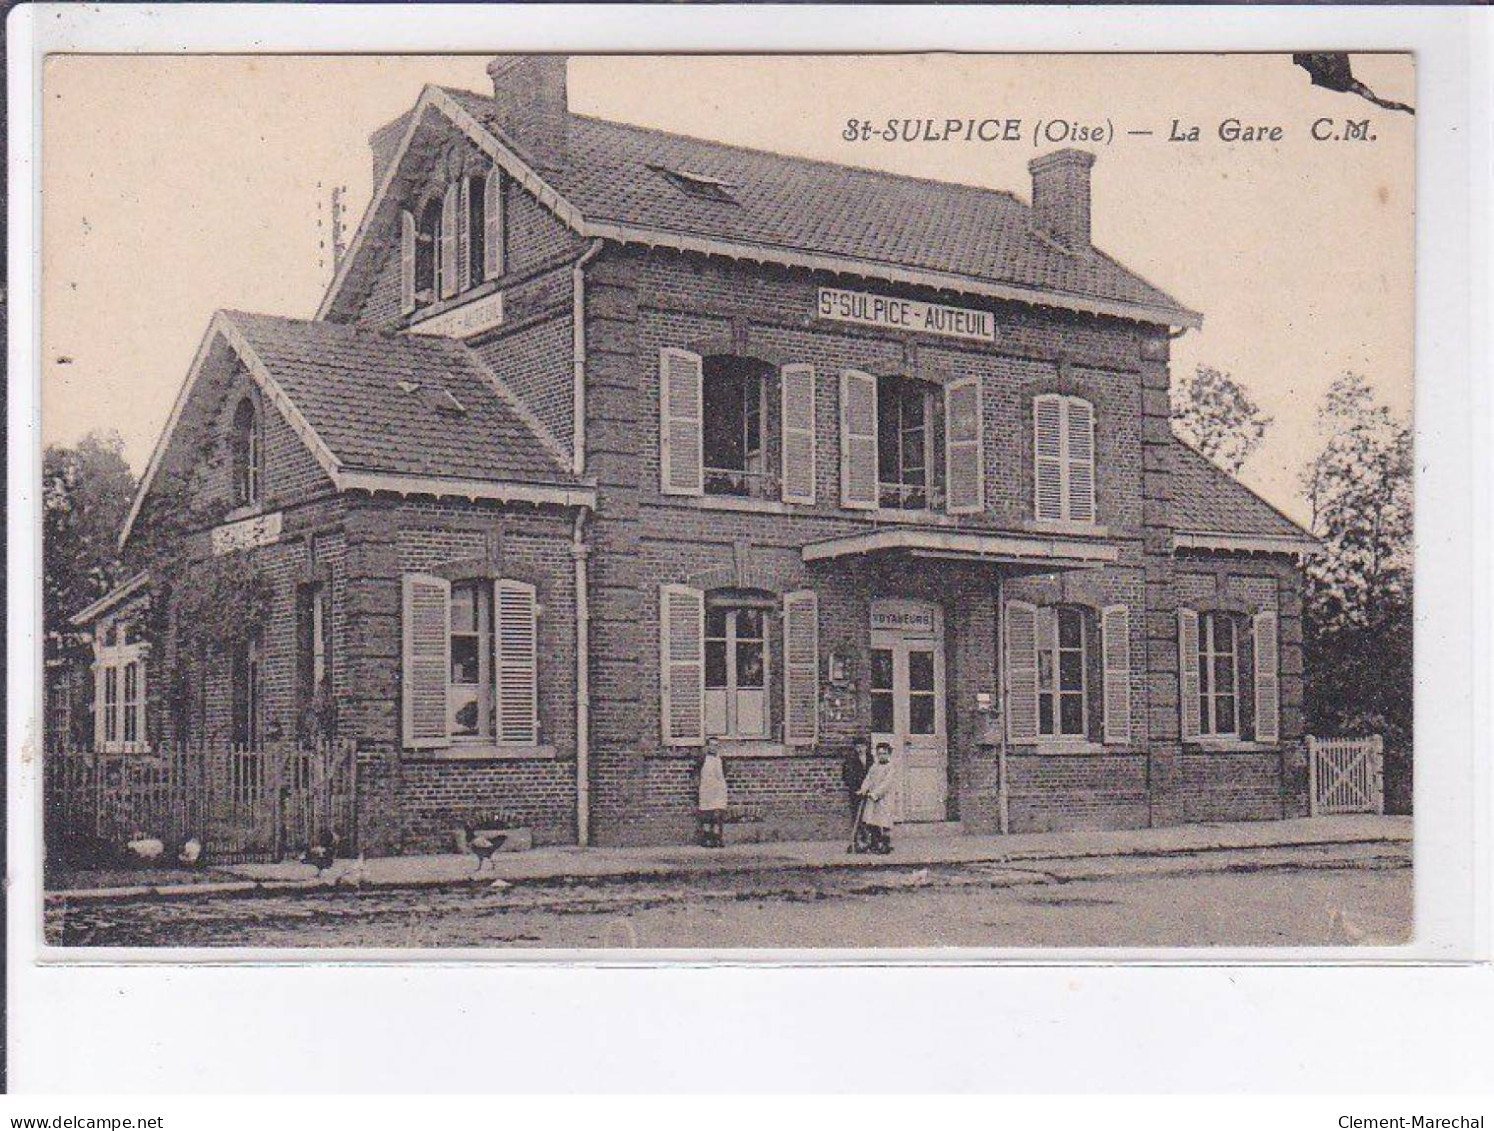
(1036, 552)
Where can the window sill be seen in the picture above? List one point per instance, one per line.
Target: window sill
(247, 510)
(1067, 746)
(481, 752)
(734, 503)
(1053, 526)
(438, 307)
(1230, 746)
(752, 748)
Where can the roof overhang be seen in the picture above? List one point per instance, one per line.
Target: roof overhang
(1245, 543)
(450, 487)
(507, 158)
(110, 600)
(996, 549)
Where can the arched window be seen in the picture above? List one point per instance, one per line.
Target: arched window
(247, 456)
(427, 237)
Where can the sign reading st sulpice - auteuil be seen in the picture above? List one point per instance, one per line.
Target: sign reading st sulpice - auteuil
(906, 314)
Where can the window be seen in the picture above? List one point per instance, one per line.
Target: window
(470, 662)
(111, 704)
(427, 241)
(453, 241)
(247, 706)
(1061, 673)
(736, 671)
(317, 713)
(120, 687)
(698, 185)
(732, 424)
(1063, 459)
(1218, 675)
(883, 704)
(476, 230)
(906, 467)
(247, 455)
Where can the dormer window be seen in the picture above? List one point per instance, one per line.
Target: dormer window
(453, 242)
(247, 455)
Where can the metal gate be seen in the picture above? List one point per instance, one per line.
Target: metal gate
(1346, 775)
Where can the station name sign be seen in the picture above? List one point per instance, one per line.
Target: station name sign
(261, 530)
(472, 318)
(907, 314)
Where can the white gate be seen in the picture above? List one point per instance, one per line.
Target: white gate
(1346, 775)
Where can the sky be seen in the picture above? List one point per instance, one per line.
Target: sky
(176, 186)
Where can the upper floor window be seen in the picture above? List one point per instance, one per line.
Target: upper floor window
(909, 469)
(454, 241)
(247, 454)
(1063, 458)
(733, 441)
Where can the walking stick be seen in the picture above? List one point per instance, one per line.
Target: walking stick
(856, 825)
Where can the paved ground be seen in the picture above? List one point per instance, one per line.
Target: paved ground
(1349, 893)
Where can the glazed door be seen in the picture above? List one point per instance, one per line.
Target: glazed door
(907, 698)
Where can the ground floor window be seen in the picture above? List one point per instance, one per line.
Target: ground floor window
(1061, 672)
(1218, 675)
(247, 692)
(120, 687)
(736, 671)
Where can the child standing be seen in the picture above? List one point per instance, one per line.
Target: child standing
(853, 772)
(878, 816)
(711, 799)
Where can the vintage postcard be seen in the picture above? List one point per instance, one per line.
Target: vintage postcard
(766, 502)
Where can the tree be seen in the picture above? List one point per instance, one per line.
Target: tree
(1213, 413)
(86, 493)
(1357, 620)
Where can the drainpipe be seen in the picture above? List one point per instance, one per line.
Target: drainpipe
(579, 553)
(1003, 782)
(578, 358)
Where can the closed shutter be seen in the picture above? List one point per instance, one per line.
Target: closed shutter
(1079, 437)
(801, 668)
(682, 664)
(492, 219)
(1047, 447)
(681, 459)
(406, 263)
(427, 655)
(446, 260)
(964, 461)
(515, 660)
(1021, 672)
(1116, 633)
(1267, 679)
(858, 440)
(464, 234)
(1188, 673)
(797, 410)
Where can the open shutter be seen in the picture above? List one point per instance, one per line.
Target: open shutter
(858, 440)
(801, 668)
(1079, 439)
(963, 459)
(797, 411)
(1116, 633)
(1021, 672)
(1047, 447)
(681, 457)
(446, 261)
(427, 655)
(1188, 673)
(406, 263)
(98, 705)
(1267, 679)
(492, 219)
(464, 234)
(682, 664)
(514, 663)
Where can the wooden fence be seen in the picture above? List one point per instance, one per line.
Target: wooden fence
(1346, 775)
(241, 804)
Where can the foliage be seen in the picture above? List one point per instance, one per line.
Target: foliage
(86, 493)
(1213, 413)
(1358, 638)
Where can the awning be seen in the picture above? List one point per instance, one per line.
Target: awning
(1032, 550)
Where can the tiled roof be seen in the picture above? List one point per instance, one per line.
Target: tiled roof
(612, 173)
(376, 400)
(1207, 500)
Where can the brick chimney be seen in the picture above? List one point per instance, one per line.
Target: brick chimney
(1060, 196)
(384, 141)
(530, 97)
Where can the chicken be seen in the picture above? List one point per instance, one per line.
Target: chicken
(145, 849)
(191, 852)
(322, 854)
(482, 844)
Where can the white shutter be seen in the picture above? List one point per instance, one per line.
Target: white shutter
(801, 668)
(1267, 679)
(1021, 672)
(796, 402)
(858, 440)
(427, 657)
(464, 234)
(1116, 632)
(406, 263)
(681, 458)
(492, 219)
(964, 462)
(446, 260)
(98, 705)
(1079, 439)
(1048, 461)
(1188, 673)
(682, 664)
(515, 663)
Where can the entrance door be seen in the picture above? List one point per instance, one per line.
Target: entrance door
(907, 692)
